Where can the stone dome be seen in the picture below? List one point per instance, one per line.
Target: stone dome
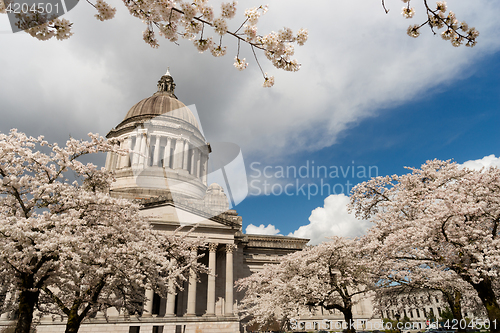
(163, 102)
(160, 104)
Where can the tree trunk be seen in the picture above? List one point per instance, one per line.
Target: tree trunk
(74, 322)
(347, 311)
(485, 292)
(454, 300)
(27, 301)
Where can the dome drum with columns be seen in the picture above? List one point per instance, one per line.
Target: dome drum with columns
(168, 150)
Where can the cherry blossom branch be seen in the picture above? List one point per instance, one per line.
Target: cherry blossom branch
(438, 19)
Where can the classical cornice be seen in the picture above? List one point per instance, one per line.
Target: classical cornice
(273, 242)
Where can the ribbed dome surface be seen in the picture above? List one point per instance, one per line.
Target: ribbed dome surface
(161, 103)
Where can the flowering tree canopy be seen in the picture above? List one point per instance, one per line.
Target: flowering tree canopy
(199, 22)
(67, 244)
(329, 276)
(441, 218)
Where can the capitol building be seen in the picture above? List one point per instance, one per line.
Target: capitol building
(167, 171)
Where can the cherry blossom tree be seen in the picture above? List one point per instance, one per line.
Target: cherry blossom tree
(199, 22)
(441, 217)
(123, 258)
(331, 276)
(69, 240)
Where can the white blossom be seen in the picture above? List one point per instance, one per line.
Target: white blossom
(302, 36)
(228, 9)
(441, 6)
(240, 64)
(149, 37)
(268, 81)
(413, 31)
(217, 51)
(104, 10)
(220, 26)
(408, 12)
(203, 44)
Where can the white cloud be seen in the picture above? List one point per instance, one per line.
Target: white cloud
(262, 230)
(484, 162)
(331, 220)
(358, 60)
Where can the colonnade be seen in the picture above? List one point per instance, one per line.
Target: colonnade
(211, 292)
(162, 151)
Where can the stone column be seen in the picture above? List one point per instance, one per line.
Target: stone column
(205, 169)
(112, 161)
(108, 161)
(145, 150)
(229, 279)
(148, 308)
(169, 312)
(193, 162)
(142, 150)
(136, 148)
(178, 154)
(124, 159)
(157, 151)
(191, 303)
(212, 251)
(198, 163)
(186, 155)
(166, 153)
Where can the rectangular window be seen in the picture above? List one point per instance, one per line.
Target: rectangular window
(171, 158)
(134, 329)
(157, 329)
(160, 156)
(132, 148)
(156, 304)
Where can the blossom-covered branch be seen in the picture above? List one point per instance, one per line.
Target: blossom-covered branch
(454, 31)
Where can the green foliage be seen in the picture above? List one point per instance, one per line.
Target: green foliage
(446, 314)
(393, 324)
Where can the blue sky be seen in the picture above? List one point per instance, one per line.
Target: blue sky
(459, 121)
(366, 93)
